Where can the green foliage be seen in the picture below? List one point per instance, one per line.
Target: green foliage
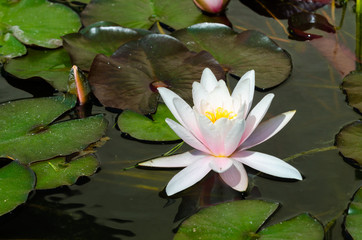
(353, 221)
(144, 128)
(352, 85)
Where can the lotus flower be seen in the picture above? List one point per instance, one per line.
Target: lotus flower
(211, 6)
(221, 129)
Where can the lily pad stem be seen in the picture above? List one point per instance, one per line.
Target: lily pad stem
(315, 150)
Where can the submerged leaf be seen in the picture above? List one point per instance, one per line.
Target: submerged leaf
(352, 85)
(57, 172)
(26, 136)
(239, 53)
(144, 128)
(16, 181)
(100, 37)
(51, 65)
(349, 141)
(130, 77)
(176, 14)
(241, 220)
(353, 221)
(39, 22)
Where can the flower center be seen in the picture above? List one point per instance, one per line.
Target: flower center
(219, 113)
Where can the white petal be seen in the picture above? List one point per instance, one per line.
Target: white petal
(188, 176)
(220, 164)
(187, 116)
(256, 115)
(232, 139)
(236, 177)
(244, 90)
(187, 136)
(178, 160)
(168, 96)
(267, 164)
(208, 80)
(198, 94)
(267, 129)
(220, 97)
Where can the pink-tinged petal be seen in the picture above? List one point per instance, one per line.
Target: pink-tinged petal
(244, 90)
(267, 164)
(236, 177)
(188, 176)
(187, 136)
(168, 96)
(198, 94)
(233, 136)
(208, 80)
(188, 118)
(174, 161)
(214, 133)
(220, 164)
(267, 129)
(256, 115)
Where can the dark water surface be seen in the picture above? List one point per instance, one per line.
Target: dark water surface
(117, 204)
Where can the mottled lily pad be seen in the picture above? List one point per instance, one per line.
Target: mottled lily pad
(38, 22)
(239, 53)
(51, 65)
(177, 14)
(144, 128)
(130, 77)
(10, 47)
(352, 85)
(16, 181)
(58, 171)
(100, 37)
(25, 133)
(349, 142)
(241, 220)
(353, 221)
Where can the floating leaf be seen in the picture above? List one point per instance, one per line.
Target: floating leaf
(144, 128)
(16, 181)
(130, 77)
(349, 141)
(10, 47)
(176, 14)
(239, 53)
(39, 22)
(352, 85)
(100, 37)
(26, 136)
(242, 219)
(57, 172)
(51, 65)
(353, 221)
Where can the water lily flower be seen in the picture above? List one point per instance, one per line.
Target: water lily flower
(212, 6)
(222, 128)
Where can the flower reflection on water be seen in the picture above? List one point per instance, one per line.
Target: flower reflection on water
(222, 128)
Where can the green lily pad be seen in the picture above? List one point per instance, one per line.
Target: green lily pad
(242, 219)
(39, 22)
(51, 65)
(10, 47)
(130, 77)
(239, 53)
(25, 133)
(349, 141)
(353, 221)
(16, 181)
(352, 85)
(100, 37)
(57, 172)
(143, 128)
(177, 14)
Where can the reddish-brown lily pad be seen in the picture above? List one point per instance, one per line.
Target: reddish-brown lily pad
(130, 77)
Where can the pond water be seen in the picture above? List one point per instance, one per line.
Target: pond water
(130, 204)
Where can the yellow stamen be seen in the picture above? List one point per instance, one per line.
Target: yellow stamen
(219, 113)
